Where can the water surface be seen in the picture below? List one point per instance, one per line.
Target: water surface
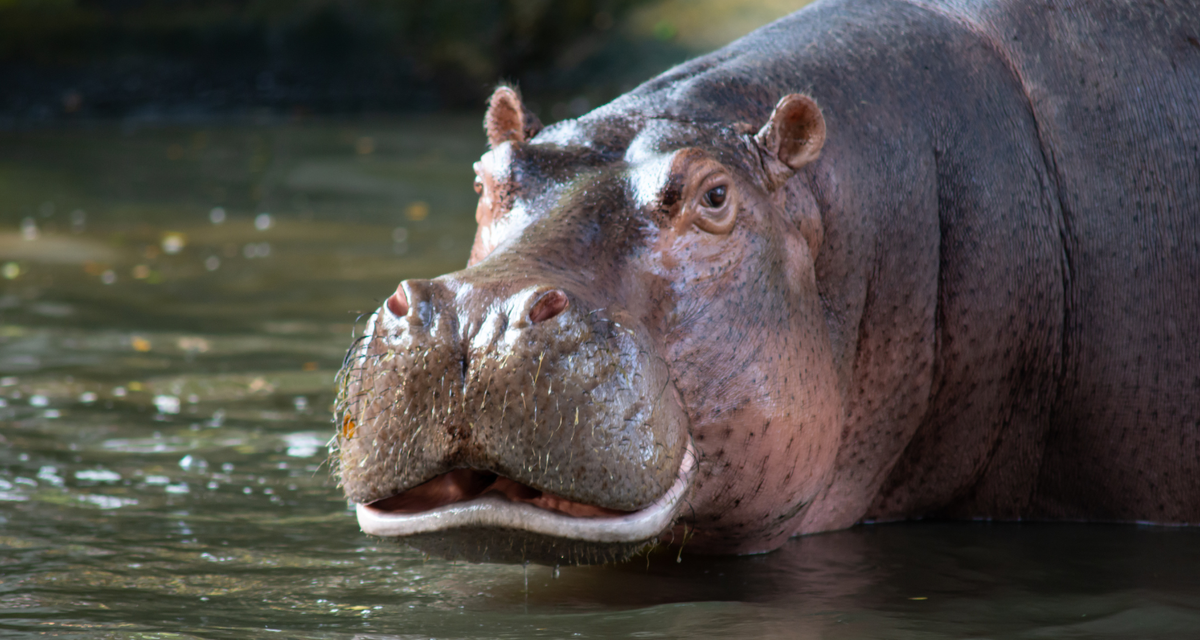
(174, 304)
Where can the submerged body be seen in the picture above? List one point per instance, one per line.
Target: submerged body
(951, 273)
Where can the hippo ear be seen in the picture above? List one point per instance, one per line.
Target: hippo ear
(507, 119)
(791, 138)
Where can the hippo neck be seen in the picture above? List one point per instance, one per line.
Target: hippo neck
(900, 200)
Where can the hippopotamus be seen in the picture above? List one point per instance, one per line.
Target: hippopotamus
(878, 260)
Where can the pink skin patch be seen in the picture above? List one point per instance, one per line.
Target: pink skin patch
(551, 304)
(462, 485)
(398, 303)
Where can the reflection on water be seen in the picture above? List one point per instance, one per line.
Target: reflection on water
(174, 303)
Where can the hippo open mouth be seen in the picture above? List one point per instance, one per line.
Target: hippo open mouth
(471, 498)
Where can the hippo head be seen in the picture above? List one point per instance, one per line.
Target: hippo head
(635, 354)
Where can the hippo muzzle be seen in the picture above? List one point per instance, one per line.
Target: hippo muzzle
(502, 421)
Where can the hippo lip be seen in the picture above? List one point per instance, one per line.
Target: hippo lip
(505, 504)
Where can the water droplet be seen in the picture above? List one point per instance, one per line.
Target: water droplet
(173, 243)
(166, 404)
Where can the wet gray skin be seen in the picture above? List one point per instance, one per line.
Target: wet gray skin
(466, 379)
(523, 367)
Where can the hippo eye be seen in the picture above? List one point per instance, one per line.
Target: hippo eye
(715, 197)
(716, 208)
(478, 185)
(709, 192)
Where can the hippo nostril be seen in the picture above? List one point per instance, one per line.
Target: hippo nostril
(551, 304)
(398, 303)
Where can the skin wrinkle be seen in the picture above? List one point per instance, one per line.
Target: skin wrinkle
(1048, 168)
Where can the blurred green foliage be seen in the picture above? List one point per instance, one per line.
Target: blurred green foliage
(105, 57)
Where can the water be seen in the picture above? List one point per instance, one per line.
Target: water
(174, 303)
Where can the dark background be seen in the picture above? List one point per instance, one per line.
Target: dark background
(171, 59)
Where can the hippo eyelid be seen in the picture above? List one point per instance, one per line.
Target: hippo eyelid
(712, 218)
